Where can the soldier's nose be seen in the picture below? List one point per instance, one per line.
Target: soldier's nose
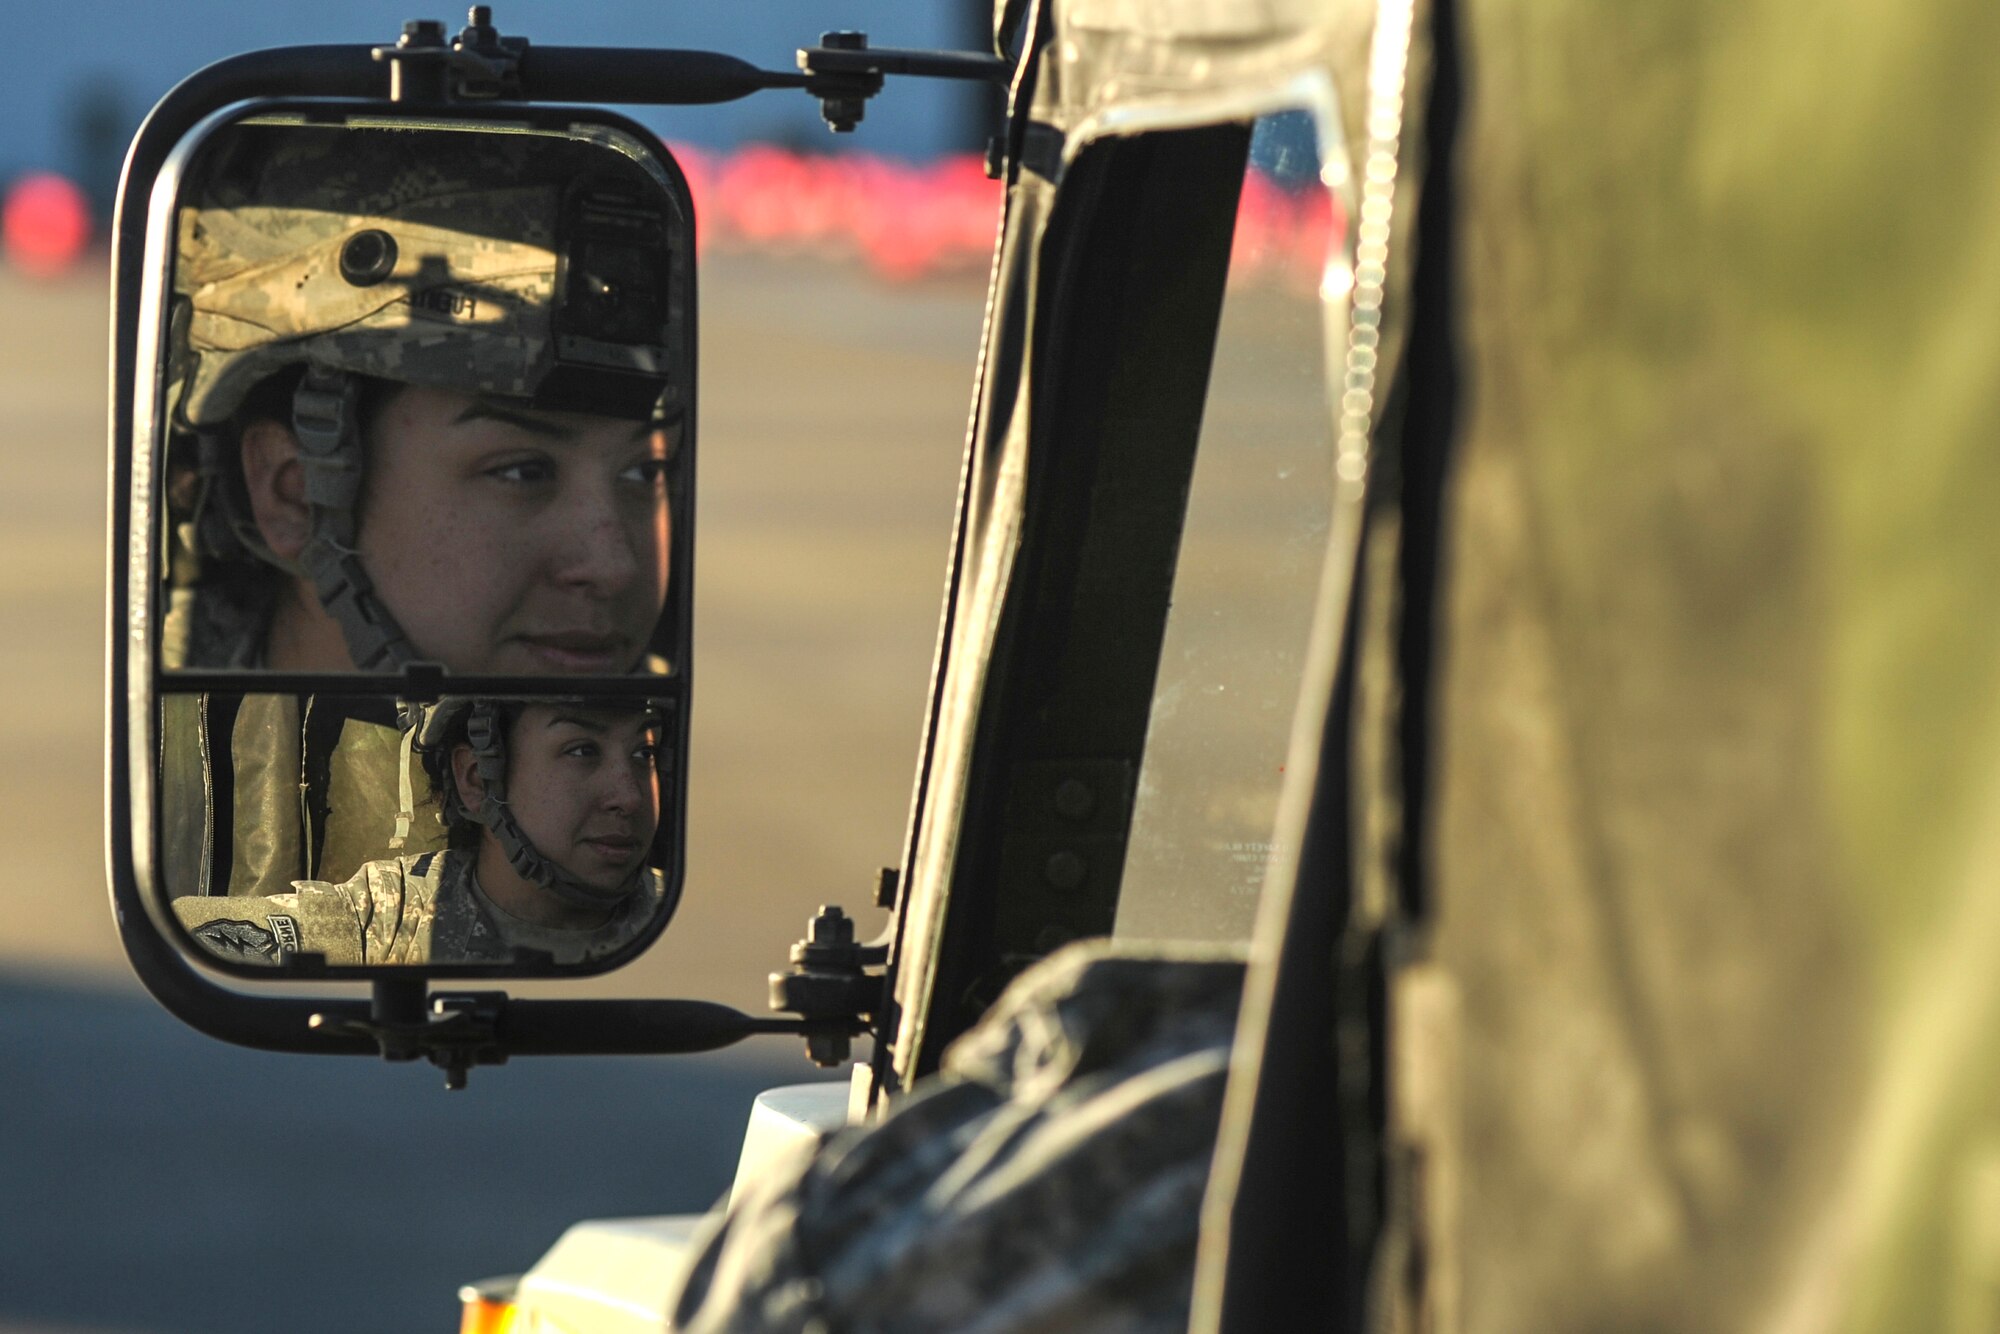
(596, 550)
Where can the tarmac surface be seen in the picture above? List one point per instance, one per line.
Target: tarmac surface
(158, 1180)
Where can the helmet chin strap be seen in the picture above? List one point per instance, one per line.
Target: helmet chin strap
(489, 749)
(326, 420)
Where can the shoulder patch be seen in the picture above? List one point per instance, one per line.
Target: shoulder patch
(234, 939)
(286, 931)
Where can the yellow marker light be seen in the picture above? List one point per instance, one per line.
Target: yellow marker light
(487, 1307)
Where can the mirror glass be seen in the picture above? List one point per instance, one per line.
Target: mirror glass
(426, 387)
(423, 404)
(476, 832)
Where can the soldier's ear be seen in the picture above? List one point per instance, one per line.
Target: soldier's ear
(276, 482)
(465, 773)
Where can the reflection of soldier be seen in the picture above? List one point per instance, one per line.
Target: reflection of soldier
(346, 295)
(550, 810)
(262, 790)
(396, 438)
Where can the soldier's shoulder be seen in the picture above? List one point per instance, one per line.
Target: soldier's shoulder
(259, 928)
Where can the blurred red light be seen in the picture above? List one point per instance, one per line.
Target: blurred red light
(44, 224)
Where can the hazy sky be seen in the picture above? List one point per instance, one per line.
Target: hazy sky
(51, 50)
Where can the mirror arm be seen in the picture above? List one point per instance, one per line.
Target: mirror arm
(843, 72)
(480, 65)
(645, 77)
(466, 1028)
(595, 74)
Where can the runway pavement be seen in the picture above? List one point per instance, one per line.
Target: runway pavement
(156, 1180)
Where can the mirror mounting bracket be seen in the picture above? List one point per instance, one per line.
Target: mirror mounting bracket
(829, 984)
(479, 65)
(461, 1029)
(843, 72)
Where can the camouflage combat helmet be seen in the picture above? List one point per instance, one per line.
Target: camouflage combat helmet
(482, 724)
(528, 266)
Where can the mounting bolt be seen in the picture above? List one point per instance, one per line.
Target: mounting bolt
(831, 926)
(829, 943)
(1074, 800)
(842, 114)
(827, 1050)
(1065, 870)
(480, 16)
(422, 32)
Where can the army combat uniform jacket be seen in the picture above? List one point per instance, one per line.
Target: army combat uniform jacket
(263, 790)
(401, 910)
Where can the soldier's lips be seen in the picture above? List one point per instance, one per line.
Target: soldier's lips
(578, 652)
(615, 847)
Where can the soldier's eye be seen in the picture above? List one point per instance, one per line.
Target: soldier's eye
(649, 472)
(521, 472)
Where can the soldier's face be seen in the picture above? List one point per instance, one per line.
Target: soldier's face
(510, 540)
(584, 786)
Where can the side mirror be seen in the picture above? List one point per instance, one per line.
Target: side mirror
(407, 539)
(339, 272)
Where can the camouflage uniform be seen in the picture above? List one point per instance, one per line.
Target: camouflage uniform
(355, 252)
(1051, 1178)
(401, 910)
(292, 798)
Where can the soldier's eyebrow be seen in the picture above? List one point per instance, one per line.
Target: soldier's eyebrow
(654, 731)
(482, 409)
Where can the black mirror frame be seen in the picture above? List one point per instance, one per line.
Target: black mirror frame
(455, 1030)
(146, 682)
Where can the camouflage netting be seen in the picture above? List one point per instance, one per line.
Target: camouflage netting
(1717, 830)
(1050, 1179)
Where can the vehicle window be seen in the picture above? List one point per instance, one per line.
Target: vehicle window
(1248, 571)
